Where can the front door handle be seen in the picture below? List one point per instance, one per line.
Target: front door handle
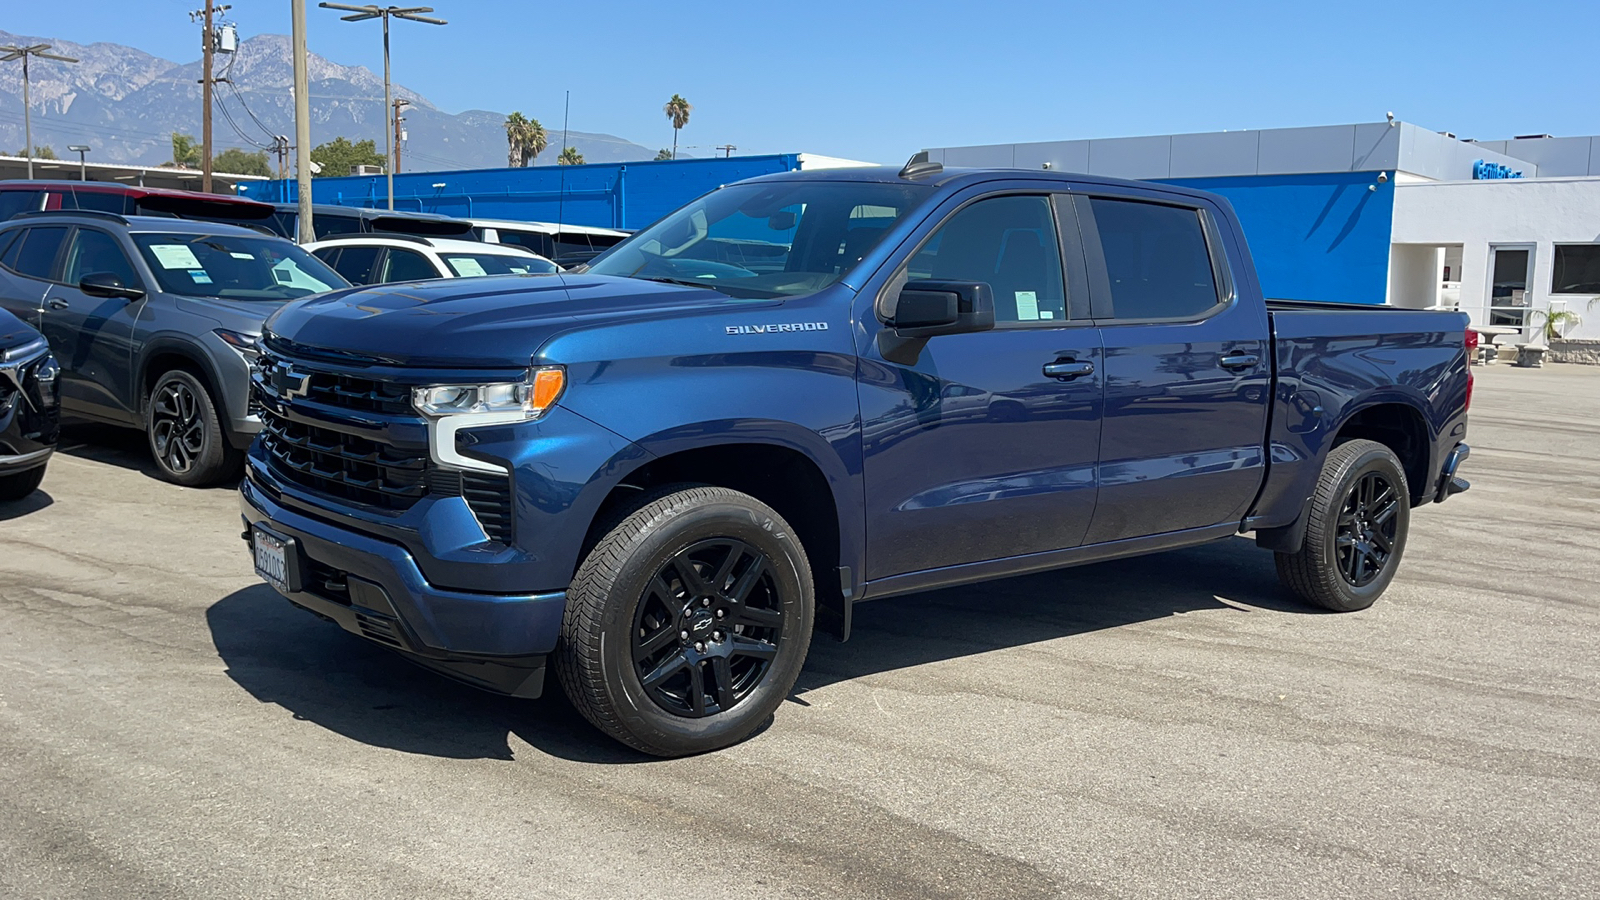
(59, 303)
(1240, 361)
(1066, 369)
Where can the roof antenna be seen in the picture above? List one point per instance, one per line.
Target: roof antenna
(918, 166)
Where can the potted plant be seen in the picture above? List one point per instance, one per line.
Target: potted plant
(1554, 324)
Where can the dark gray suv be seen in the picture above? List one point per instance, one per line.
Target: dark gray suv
(154, 322)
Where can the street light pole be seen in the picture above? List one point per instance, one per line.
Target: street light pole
(10, 52)
(83, 167)
(374, 11)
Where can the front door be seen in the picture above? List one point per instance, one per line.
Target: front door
(1187, 368)
(973, 451)
(93, 336)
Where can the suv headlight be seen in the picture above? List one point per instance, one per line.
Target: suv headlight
(452, 407)
(529, 397)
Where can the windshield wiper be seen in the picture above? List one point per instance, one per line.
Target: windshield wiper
(686, 282)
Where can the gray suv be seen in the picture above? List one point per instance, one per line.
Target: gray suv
(154, 322)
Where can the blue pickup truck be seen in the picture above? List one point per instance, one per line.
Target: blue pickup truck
(657, 473)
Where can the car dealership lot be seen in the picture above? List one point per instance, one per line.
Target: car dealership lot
(1163, 726)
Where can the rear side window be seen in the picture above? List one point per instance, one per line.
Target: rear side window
(102, 201)
(35, 254)
(538, 243)
(408, 265)
(354, 263)
(13, 202)
(323, 225)
(95, 252)
(1011, 244)
(1156, 259)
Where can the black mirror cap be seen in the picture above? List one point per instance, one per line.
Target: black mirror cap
(105, 284)
(928, 308)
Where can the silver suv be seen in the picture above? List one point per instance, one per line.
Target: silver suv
(154, 322)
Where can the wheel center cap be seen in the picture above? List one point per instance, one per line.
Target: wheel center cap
(698, 623)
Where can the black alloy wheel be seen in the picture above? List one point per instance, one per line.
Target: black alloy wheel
(707, 628)
(177, 434)
(1367, 529)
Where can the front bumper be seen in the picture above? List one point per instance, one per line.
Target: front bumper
(374, 589)
(30, 412)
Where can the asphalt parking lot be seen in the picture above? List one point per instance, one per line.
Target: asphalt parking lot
(1159, 727)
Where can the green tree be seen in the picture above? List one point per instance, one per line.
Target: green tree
(570, 157)
(338, 156)
(525, 140)
(663, 153)
(44, 152)
(185, 151)
(237, 162)
(677, 110)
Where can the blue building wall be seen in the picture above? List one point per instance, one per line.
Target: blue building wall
(608, 195)
(1314, 237)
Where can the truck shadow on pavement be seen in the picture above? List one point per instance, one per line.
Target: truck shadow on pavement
(285, 656)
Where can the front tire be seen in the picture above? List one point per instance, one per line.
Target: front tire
(186, 437)
(21, 484)
(1356, 532)
(687, 624)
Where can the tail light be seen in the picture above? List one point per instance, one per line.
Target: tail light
(1472, 353)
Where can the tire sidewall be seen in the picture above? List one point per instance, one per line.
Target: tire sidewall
(676, 530)
(1374, 459)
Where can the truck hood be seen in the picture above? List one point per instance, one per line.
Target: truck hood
(490, 322)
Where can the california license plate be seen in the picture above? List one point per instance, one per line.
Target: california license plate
(273, 560)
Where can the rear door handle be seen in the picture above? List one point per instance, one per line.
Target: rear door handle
(1066, 370)
(59, 303)
(1239, 361)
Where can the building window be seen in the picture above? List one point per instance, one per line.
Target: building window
(1577, 269)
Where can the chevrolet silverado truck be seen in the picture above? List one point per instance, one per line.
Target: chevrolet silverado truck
(656, 473)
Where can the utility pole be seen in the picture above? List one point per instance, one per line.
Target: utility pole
(280, 146)
(727, 150)
(208, 43)
(399, 133)
(302, 126)
(8, 53)
(374, 11)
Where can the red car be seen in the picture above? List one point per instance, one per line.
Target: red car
(125, 199)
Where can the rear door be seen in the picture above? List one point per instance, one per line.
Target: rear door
(973, 450)
(358, 264)
(400, 264)
(93, 337)
(1187, 369)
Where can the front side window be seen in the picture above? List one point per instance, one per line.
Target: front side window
(1577, 269)
(762, 239)
(95, 252)
(408, 265)
(1156, 259)
(230, 267)
(35, 255)
(1009, 243)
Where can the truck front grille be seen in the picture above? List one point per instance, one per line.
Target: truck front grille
(344, 465)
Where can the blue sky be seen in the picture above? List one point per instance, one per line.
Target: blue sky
(876, 81)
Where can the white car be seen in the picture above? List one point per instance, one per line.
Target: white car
(568, 245)
(382, 258)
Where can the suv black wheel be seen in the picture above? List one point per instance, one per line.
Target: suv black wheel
(1356, 531)
(688, 622)
(21, 484)
(186, 436)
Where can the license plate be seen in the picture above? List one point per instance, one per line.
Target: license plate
(272, 559)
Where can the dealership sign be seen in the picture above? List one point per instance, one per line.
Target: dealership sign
(1486, 171)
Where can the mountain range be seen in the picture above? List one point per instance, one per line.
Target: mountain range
(126, 104)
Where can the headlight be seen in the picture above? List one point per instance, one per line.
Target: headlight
(528, 398)
(248, 345)
(47, 374)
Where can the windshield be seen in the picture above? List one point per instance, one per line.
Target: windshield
(465, 265)
(235, 268)
(765, 239)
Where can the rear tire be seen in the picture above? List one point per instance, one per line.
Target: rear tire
(1356, 532)
(21, 484)
(687, 624)
(186, 436)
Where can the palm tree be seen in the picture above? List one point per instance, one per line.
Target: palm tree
(677, 110)
(1555, 322)
(525, 139)
(570, 157)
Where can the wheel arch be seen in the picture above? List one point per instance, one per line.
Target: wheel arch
(1400, 426)
(162, 355)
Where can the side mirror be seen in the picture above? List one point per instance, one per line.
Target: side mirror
(925, 309)
(105, 284)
